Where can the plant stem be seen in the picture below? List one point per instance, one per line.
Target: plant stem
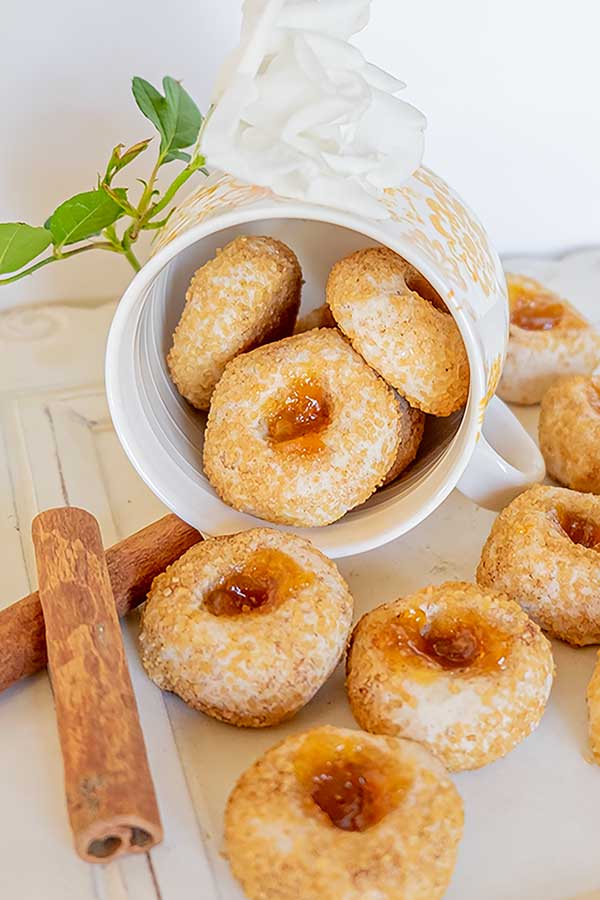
(147, 195)
(126, 244)
(183, 176)
(160, 223)
(50, 259)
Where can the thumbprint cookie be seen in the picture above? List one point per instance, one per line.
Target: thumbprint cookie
(548, 338)
(544, 551)
(301, 430)
(247, 627)
(334, 813)
(460, 669)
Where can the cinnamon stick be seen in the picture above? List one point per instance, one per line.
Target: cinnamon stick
(132, 565)
(110, 796)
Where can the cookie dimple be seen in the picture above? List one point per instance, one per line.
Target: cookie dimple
(530, 556)
(458, 668)
(334, 813)
(548, 338)
(247, 627)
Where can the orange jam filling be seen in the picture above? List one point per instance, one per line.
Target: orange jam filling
(355, 785)
(267, 579)
(534, 310)
(580, 530)
(298, 423)
(446, 642)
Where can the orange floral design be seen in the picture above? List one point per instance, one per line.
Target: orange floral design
(219, 196)
(493, 378)
(463, 233)
(462, 250)
(410, 212)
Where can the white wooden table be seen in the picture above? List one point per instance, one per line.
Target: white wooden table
(532, 820)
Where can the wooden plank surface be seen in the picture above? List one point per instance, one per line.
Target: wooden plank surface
(53, 450)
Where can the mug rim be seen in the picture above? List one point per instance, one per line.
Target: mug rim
(135, 297)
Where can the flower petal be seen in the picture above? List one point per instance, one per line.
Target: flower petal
(298, 109)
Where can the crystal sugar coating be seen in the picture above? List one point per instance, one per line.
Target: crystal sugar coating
(569, 432)
(333, 812)
(248, 294)
(247, 627)
(461, 669)
(400, 325)
(314, 434)
(548, 338)
(539, 553)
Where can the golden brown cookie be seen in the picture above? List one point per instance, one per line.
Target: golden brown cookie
(544, 552)
(412, 426)
(569, 432)
(462, 670)
(246, 627)
(593, 702)
(400, 325)
(300, 431)
(334, 813)
(548, 338)
(247, 295)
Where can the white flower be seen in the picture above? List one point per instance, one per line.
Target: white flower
(299, 110)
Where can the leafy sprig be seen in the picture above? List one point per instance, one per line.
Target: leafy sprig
(107, 218)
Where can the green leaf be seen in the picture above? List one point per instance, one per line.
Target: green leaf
(84, 215)
(119, 160)
(175, 116)
(177, 154)
(185, 115)
(151, 103)
(19, 244)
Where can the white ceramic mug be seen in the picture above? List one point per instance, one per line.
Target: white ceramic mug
(483, 450)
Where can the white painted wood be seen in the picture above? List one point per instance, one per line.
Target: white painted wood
(531, 819)
(58, 447)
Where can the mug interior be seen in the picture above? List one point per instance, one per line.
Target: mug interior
(176, 430)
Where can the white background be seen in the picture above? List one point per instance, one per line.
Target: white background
(510, 87)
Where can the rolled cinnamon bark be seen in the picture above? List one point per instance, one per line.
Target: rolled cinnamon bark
(110, 796)
(132, 565)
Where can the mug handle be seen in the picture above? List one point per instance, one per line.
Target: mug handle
(505, 462)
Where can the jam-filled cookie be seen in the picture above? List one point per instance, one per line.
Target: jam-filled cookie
(334, 813)
(548, 338)
(300, 431)
(462, 670)
(246, 627)
(247, 295)
(400, 325)
(569, 431)
(544, 551)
